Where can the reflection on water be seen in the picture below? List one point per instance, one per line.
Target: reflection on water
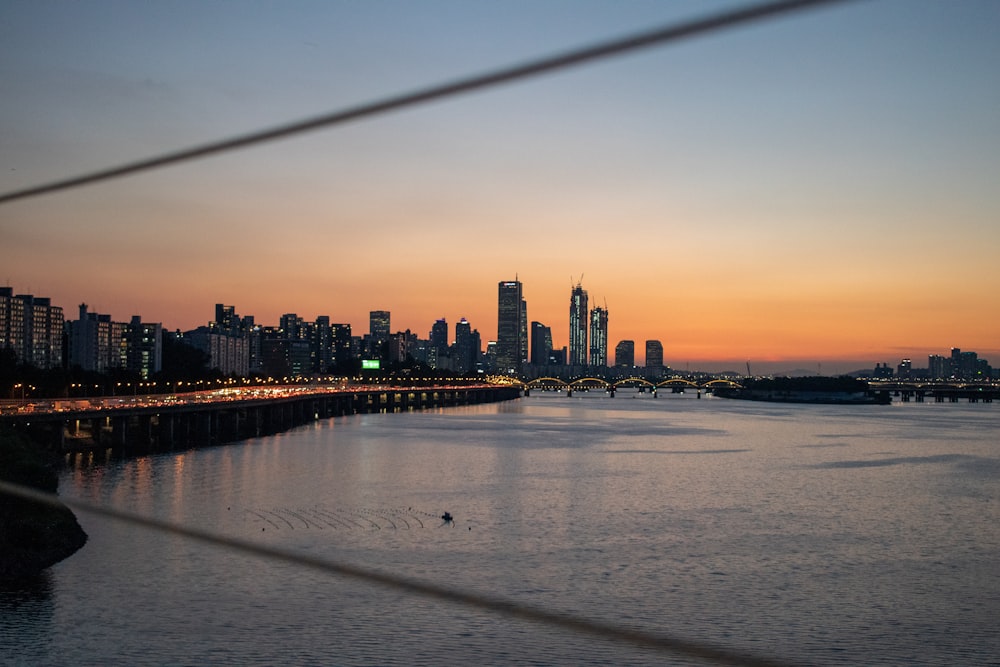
(822, 534)
(26, 619)
(27, 595)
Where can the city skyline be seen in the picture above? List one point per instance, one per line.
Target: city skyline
(50, 321)
(763, 194)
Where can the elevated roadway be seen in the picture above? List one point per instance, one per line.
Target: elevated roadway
(162, 422)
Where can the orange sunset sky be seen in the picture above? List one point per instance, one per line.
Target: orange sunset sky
(820, 190)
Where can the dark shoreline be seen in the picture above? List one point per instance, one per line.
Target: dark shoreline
(33, 536)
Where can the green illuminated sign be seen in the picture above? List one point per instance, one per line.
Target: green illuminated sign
(370, 364)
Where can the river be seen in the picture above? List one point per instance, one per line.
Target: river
(814, 534)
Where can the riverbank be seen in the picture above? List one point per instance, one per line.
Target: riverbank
(816, 390)
(33, 536)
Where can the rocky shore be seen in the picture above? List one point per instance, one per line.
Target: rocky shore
(33, 536)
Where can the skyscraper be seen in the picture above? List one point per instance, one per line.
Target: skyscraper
(599, 336)
(541, 344)
(524, 331)
(654, 354)
(625, 353)
(578, 326)
(937, 367)
(439, 336)
(509, 326)
(322, 345)
(378, 328)
(341, 337)
(466, 354)
(378, 325)
(226, 319)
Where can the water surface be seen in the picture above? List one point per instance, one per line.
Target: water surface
(817, 534)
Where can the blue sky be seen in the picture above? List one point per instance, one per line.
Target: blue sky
(823, 184)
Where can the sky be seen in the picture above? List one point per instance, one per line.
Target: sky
(818, 191)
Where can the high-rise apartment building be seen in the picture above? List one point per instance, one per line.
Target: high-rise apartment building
(96, 343)
(599, 336)
(93, 345)
(964, 365)
(32, 327)
(144, 347)
(625, 353)
(11, 322)
(654, 354)
(937, 367)
(230, 341)
(578, 326)
(240, 345)
(510, 327)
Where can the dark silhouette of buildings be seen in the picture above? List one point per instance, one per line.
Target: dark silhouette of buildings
(578, 326)
(625, 353)
(511, 343)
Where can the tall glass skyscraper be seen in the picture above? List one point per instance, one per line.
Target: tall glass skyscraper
(541, 344)
(524, 331)
(578, 326)
(625, 353)
(510, 328)
(599, 336)
(654, 354)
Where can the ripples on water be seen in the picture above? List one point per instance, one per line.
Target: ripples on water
(819, 534)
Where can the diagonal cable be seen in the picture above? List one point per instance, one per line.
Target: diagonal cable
(591, 53)
(595, 629)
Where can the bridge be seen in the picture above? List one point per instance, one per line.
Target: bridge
(163, 422)
(676, 385)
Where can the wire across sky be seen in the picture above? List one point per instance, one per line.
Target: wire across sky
(657, 37)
